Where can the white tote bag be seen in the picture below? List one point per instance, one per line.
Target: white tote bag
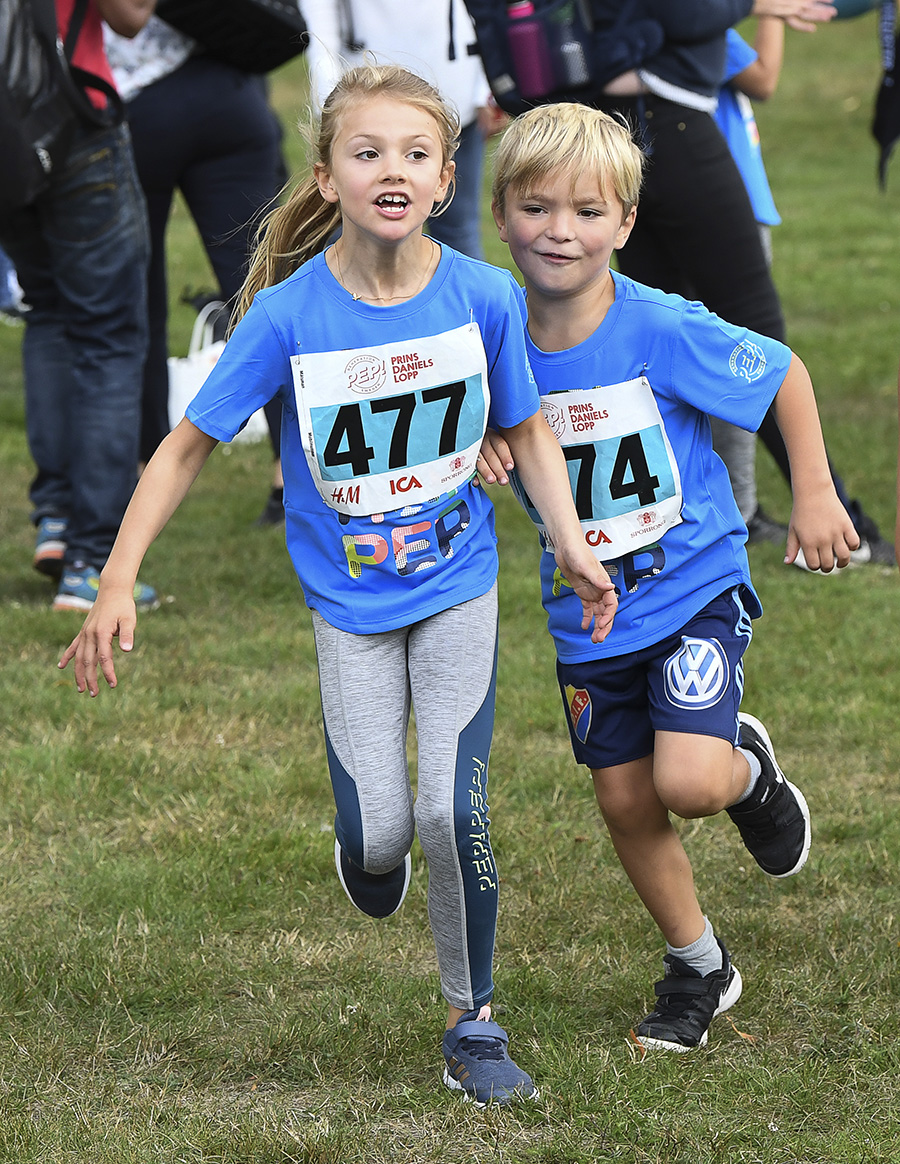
(187, 373)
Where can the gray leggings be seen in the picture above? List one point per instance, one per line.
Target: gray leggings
(445, 668)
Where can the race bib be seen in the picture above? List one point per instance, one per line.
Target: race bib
(622, 470)
(394, 425)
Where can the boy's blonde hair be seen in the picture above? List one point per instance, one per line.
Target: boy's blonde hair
(301, 227)
(569, 138)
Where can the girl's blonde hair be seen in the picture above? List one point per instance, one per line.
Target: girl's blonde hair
(571, 138)
(301, 227)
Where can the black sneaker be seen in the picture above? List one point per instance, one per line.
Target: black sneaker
(774, 820)
(376, 894)
(762, 528)
(687, 1002)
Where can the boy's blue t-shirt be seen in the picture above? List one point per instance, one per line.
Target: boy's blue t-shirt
(696, 365)
(734, 115)
(378, 571)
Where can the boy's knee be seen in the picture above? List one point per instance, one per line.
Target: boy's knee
(695, 794)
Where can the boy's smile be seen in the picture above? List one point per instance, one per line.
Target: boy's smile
(561, 234)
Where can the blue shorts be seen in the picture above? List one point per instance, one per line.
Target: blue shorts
(691, 682)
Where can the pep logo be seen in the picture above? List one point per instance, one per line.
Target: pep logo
(748, 361)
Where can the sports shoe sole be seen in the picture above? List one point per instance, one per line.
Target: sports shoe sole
(467, 1097)
(760, 729)
(48, 560)
(72, 602)
(730, 996)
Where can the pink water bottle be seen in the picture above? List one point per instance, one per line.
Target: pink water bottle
(531, 56)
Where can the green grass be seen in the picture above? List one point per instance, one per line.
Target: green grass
(181, 978)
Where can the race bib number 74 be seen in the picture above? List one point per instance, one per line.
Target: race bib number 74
(393, 425)
(622, 470)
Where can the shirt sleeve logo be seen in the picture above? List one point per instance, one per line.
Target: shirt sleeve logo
(748, 360)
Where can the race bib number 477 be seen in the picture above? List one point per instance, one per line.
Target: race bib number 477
(393, 425)
(622, 470)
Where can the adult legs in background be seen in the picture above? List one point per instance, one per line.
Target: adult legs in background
(206, 129)
(81, 256)
(459, 226)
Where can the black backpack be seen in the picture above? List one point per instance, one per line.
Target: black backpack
(254, 35)
(42, 97)
(539, 51)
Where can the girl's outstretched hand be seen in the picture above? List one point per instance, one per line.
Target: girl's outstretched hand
(113, 615)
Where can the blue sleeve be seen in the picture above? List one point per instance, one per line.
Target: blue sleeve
(729, 372)
(514, 392)
(739, 54)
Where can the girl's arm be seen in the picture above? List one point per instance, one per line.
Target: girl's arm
(760, 78)
(542, 469)
(171, 471)
(819, 522)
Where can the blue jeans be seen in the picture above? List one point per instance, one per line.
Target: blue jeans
(81, 253)
(460, 225)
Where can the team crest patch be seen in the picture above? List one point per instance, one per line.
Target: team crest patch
(697, 674)
(747, 360)
(579, 703)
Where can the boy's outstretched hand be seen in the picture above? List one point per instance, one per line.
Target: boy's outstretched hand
(822, 528)
(592, 584)
(580, 568)
(113, 615)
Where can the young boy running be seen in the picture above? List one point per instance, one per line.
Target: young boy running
(629, 377)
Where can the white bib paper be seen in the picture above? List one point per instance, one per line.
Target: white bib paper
(394, 425)
(622, 470)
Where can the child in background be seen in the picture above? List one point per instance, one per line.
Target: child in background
(628, 377)
(389, 353)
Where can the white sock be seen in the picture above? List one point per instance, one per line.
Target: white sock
(755, 773)
(704, 955)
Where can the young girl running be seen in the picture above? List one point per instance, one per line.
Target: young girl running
(389, 354)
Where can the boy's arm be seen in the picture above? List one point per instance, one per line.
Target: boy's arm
(171, 471)
(495, 461)
(760, 78)
(819, 522)
(542, 468)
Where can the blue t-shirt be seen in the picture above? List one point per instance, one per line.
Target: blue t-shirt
(696, 364)
(379, 571)
(734, 114)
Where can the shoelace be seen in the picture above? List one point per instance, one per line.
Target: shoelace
(480, 1049)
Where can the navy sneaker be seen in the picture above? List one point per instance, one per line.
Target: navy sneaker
(687, 1002)
(774, 820)
(479, 1066)
(80, 583)
(376, 894)
(50, 546)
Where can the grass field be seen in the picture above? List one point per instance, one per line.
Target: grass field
(181, 977)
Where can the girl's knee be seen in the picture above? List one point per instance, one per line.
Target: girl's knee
(379, 851)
